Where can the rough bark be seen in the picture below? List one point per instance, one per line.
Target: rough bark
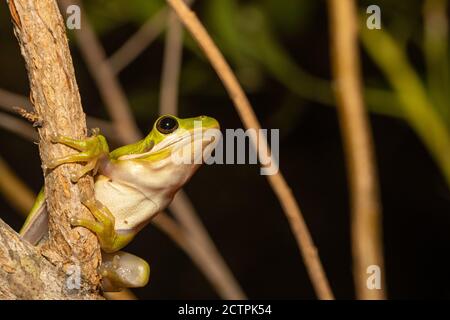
(26, 274)
(40, 31)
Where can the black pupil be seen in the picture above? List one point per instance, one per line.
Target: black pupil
(167, 125)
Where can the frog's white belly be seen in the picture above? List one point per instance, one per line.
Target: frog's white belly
(152, 189)
(129, 206)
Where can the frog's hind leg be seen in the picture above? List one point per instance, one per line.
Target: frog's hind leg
(110, 240)
(36, 224)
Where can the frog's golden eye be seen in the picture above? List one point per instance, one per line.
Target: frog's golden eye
(167, 125)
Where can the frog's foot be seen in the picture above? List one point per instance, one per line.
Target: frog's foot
(110, 240)
(123, 270)
(91, 149)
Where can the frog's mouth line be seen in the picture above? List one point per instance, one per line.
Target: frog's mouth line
(170, 141)
(185, 139)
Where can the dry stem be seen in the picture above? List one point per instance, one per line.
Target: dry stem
(181, 206)
(366, 227)
(137, 43)
(14, 190)
(115, 99)
(173, 51)
(249, 119)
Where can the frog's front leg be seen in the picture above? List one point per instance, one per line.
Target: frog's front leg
(110, 240)
(91, 149)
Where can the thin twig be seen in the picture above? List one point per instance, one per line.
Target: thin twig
(366, 227)
(277, 181)
(92, 49)
(224, 280)
(437, 54)
(173, 52)
(9, 100)
(181, 205)
(17, 126)
(195, 250)
(109, 87)
(139, 41)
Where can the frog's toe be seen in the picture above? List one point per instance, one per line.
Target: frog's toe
(95, 132)
(77, 175)
(86, 200)
(55, 138)
(94, 226)
(51, 164)
(74, 177)
(90, 202)
(123, 270)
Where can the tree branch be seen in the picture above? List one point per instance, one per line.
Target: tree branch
(26, 274)
(40, 31)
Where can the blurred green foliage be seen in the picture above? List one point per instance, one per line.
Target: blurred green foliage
(106, 15)
(425, 104)
(261, 38)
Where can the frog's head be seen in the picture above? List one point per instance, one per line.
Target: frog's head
(148, 169)
(186, 139)
(180, 138)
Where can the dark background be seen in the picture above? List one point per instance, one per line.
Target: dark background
(236, 204)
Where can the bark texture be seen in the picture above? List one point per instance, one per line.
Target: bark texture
(26, 274)
(41, 34)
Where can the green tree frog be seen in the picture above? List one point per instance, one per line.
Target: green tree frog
(132, 184)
